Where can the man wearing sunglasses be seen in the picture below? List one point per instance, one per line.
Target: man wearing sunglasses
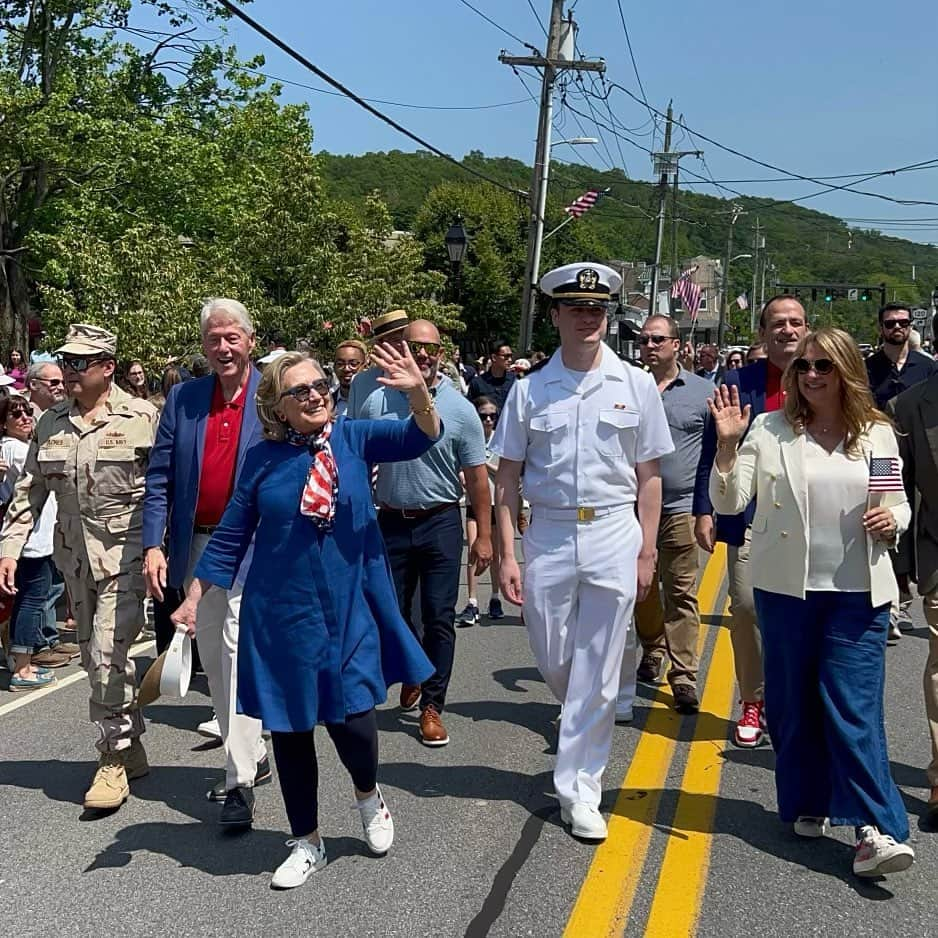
(206, 428)
(896, 367)
(782, 324)
(421, 522)
(46, 385)
(91, 452)
(498, 380)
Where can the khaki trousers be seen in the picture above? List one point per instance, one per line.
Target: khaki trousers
(744, 631)
(668, 619)
(930, 603)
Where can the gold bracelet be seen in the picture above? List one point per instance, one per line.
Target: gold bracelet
(423, 410)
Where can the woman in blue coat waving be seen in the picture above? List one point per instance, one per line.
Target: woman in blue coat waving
(321, 637)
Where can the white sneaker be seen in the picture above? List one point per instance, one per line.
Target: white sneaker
(210, 728)
(878, 854)
(377, 823)
(585, 821)
(624, 716)
(305, 860)
(807, 826)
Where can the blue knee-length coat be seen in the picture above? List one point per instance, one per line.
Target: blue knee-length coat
(321, 635)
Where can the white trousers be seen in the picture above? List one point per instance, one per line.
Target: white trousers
(216, 630)
(628, 678)
(579, 594)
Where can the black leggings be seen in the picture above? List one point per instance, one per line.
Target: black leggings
(356, 741)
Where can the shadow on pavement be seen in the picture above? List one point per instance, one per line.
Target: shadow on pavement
(510, 678)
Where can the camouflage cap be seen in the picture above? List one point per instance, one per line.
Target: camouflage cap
(84, 339)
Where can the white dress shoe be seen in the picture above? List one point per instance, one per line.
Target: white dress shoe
(210, 728)
(585, 821)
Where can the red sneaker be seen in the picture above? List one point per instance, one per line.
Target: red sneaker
(750, 730)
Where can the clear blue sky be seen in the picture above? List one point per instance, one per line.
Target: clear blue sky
(815, 86)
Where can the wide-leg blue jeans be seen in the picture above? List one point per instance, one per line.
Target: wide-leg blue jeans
(825, 661)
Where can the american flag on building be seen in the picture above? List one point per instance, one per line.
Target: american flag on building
(688, 291)
(885, 475)
(579, 207)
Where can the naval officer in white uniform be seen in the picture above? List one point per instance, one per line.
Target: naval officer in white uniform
(588, 430)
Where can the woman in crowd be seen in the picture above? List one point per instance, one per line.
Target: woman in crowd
(16, 369)
(488, 414)
(320, 586)
(135, 380)
(35, 571)
(825, 472)
(734, 360)
(756, 353)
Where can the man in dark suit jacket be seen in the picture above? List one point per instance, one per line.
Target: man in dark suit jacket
(206, 428)
(781, 326)
(916, 415)
(710, 367)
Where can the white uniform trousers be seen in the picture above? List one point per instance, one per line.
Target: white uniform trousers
(216, 630)
(628, 679)
(579, 595)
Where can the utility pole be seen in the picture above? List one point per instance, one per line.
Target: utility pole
(665, 162)
(674, 257)
(758, 243)
(725, 305)
(559, 58)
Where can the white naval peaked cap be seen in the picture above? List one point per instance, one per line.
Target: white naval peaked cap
(587, 284)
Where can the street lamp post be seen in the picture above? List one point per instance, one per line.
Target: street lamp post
(725, 306)
(457, 241)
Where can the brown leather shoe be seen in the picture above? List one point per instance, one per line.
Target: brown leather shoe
(50, 658)
(67, 648)
(410, 696)
(685, 699)
(432, 730)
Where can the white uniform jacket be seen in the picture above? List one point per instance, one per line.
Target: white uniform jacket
(580, 435)
(770, 467)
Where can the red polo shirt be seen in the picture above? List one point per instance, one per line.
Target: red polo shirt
(774, 395)
(219, 454)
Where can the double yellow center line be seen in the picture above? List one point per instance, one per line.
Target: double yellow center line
(605, 900)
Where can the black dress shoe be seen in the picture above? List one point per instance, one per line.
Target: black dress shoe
(238, 810)
(685, 699)
(263, 774)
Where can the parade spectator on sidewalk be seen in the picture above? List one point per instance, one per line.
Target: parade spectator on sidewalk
(135, 381)
(16, 369)
(207, 427)
(782, 325)
(734, 360)
(589, 431)
(825, 474)
(421, 522)
(33, 581)
(350, 357)
(321, 637)
(916, 413)
(668, 620)
(708, 357)
(498, 380)
(488, 415)
(91, 452)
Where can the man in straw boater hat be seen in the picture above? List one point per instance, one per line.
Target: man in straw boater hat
(388, 327)
(91, 450)
(588, 430)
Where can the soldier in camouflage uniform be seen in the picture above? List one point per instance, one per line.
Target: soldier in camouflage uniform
(92, 451)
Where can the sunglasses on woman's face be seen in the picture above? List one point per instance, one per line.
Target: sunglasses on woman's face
(821, 366)
(16, 412)
(486, 418)
(301, 392)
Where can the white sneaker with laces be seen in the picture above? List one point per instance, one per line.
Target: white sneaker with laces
(210, 728)
(807, 826)
(585, 821)
(878, 854)
(377, 823)
(305, 859)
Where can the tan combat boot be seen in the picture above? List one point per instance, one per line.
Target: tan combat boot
(109, 788)
(135, 760)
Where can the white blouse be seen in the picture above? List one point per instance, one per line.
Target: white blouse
(837, 501)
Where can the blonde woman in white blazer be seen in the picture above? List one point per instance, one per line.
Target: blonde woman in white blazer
(826, 475)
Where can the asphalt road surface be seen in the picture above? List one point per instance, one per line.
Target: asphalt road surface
(695, 847)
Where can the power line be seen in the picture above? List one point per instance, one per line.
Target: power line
(793, 175)
(539, 23)
(489, 20)
(319, 73)
(638, 78)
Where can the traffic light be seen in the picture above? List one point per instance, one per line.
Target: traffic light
(828, 295)
(864, 294)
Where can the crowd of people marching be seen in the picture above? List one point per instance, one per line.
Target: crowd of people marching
(289, 502)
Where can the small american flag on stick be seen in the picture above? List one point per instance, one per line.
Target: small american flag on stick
(579, 207)
(885, 475)
(688, 291)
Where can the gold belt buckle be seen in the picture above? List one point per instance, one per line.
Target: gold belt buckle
(585, 514)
